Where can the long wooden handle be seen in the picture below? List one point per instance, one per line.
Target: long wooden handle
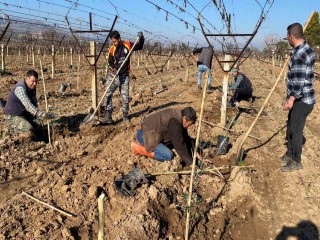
(45, 99)
(270, 93)
(116, 75)
(194, 159)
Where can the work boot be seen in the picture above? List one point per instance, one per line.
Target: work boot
(107, 119)
(284, 159)
(230, 104)
(137, 149)
(209, 89)
(291, 166)
(125, 117)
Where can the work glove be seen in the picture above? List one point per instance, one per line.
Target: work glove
(45, 115)
(140, 35)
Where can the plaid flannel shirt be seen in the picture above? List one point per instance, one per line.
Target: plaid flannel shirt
(300, 74)
(20, 92)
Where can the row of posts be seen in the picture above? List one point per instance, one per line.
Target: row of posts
(31, 51)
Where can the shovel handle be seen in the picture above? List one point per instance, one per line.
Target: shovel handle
(114, 77)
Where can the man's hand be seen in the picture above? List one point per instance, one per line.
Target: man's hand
(140, 35)
(45, 115)
(288, 104)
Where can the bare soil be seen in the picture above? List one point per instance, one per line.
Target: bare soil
(257, 203)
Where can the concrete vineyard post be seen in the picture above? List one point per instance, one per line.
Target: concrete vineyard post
(225, 91)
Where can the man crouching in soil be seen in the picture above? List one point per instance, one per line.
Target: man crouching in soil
(164, 130)
(21, 108)
(300, 96)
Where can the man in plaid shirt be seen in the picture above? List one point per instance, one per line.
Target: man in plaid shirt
(21, 108)
(300, 96)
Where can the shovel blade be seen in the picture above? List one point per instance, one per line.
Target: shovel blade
(90, 117)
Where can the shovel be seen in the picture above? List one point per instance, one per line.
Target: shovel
(91, 116)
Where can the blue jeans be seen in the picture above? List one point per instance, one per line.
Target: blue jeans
(161, 152)
(203, 69)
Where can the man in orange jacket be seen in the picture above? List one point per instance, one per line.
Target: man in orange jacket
(117, 54)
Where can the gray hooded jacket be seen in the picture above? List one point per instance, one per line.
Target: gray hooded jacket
(205, 56)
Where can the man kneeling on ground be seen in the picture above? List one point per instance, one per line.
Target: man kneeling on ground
(242, 88)
(21, 108)
(163, 129)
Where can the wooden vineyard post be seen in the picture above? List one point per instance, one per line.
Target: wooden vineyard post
(225, 91)
(19, 52)
(138, 61)
(78, 76)
(53, 61)
(187, 74)
(93, 70)
(7, 50)
(62, 54)
(273, 64)
(71, 56)
(168, 65)
(101, 216)
(33, 57)
(3, 64)
(273, 59)
(146, 60)
(79, 57)
(27, 52)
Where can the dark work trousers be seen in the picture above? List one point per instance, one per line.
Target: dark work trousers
(241, 94)
(296, 120)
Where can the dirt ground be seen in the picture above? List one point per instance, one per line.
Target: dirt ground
(248, 203)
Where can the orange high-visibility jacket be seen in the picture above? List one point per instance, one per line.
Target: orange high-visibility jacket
(112, 50)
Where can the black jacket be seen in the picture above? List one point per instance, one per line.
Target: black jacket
(119, 53)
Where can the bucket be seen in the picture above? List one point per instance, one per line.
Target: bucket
(222, 145)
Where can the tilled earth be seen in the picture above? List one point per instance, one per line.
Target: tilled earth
(256, 203)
